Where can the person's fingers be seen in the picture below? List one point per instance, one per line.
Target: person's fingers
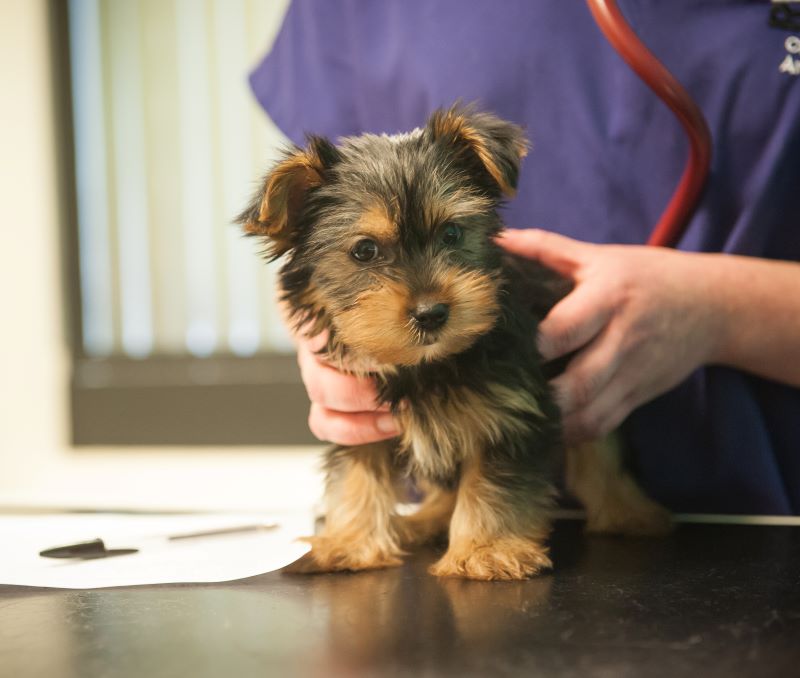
(600, 416)
(582, 427)
(336, 390)
(316, 342)
(574, 321)
(555, 251)
(350, 428)
(588, 374)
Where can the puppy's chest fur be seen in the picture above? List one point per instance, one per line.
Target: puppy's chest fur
(456, 423)
(490, 399)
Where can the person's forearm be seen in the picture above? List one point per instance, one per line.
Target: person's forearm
(758, 302)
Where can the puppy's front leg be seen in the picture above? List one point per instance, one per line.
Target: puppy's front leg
(360, 531)
(499, 526)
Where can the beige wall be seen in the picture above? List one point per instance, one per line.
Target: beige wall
(32, 348)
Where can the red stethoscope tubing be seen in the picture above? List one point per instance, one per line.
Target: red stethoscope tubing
(676, 215)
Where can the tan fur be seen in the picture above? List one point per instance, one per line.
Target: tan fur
(514, 400)
(490, 539)
(282, 198)
(376, 223)
(499, 559)
(454, 204)
(360, 531)
(430, 521)
(614, 503)
(380, 326)
(456, 124)
(428, 438)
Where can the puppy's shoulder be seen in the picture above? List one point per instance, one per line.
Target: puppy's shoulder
(533, 285)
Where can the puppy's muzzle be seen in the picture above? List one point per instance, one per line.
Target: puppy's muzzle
(430, 317)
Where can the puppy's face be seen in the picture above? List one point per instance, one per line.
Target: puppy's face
(389, 239)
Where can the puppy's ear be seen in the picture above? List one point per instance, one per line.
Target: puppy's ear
(275, 207)
(498, 145)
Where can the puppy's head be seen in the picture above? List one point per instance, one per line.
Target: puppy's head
(389, 238)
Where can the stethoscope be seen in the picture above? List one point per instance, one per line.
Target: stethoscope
(676, 215)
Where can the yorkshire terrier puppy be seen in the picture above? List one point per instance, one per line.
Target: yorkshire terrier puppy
(389, 246)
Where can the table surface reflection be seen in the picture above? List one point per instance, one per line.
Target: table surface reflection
(710, 600)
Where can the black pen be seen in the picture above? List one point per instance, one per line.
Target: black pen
(96, 548)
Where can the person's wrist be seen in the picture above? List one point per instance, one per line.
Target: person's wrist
(716, 299)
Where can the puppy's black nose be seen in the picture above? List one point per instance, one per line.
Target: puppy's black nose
(431, 316)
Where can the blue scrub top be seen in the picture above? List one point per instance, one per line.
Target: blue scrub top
(607, 155)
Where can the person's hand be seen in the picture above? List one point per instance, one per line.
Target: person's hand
(638, 319)
(344, 408)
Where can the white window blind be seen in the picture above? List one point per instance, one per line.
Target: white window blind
(169, 144)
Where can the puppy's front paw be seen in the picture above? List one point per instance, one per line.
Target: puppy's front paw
(505, 559)
(330, 554)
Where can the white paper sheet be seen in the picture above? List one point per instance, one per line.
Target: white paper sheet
(159, 561)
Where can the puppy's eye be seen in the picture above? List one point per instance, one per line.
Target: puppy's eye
(364, 250)
(451, 235)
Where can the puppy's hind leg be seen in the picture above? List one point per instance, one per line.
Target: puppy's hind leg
(614, 503)
(360, 531)
(431, 520)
